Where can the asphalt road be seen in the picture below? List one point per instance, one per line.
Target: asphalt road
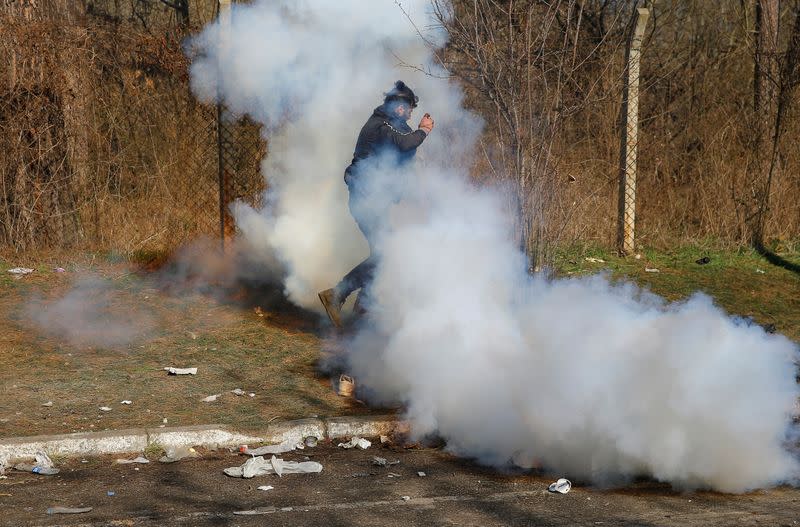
(352, 491)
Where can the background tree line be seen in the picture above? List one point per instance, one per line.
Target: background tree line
(103, 142)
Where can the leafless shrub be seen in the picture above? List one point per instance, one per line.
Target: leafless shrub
(105, 146)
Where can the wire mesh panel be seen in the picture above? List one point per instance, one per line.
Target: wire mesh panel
(193, 200)
(104, 145)
(241, 149)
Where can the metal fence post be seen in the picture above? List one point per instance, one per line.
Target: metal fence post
(629, 137)
(224, 139)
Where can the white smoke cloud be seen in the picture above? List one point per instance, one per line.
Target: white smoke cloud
(312, 72)
(93, 313)
(594, 380)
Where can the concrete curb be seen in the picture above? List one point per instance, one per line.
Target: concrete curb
(207, 436)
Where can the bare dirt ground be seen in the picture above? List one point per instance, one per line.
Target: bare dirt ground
(245, 336)
(123, 325)
(352, 491)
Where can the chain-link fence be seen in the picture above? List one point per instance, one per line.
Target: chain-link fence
(225, 160)
(104, 146)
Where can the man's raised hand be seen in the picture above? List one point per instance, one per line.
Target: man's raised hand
(426, 124)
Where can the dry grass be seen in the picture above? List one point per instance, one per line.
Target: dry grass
(273, 356)
(105, 147)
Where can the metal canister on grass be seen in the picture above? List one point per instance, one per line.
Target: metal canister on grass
(347, 385)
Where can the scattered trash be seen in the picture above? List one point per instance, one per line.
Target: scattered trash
(382, 462)
(251, 394)
(651, 270)
(592, 259)
(111, 493)
(637, 256)
(192, 335)
(385, 439)
(68, 510)
(48, 404)
(42, 459)
(265, 487)
(421, 474)
(257, 310)
(562, 485)
(311, 441)
(354, 442)
(258, 466)
(392, 475)
(20, 271)
(406, 498)
(256, 511)
(286, 446)
(760, 271)
(142, 460)
(238, 392)
(211, 398)
(164, 420)
(702, 261)
(36, 469)
(126, 402)
(181, 371)
(347, 385)
(176, 454)
(60, 270)
(105, 409)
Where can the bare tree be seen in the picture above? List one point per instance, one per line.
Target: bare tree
(181, 8)
(765, 84)
(523, 62)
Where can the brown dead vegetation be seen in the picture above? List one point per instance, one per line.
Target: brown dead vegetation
(548, 78)
(104, 146)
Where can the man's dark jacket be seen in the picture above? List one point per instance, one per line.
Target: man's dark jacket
(384, 134)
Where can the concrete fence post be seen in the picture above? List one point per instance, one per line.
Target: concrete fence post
(630, 137)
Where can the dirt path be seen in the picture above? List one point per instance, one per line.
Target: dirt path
(352, 491)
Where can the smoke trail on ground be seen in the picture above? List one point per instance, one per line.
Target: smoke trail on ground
(91, 314)
(595, 380)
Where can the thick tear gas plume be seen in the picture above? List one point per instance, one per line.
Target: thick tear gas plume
(594, 380)
(312, 72)
(98, 312)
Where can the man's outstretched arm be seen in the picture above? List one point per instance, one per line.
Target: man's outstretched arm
(409, 141)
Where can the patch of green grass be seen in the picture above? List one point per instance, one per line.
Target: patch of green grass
(153, 450)
(741, 281)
